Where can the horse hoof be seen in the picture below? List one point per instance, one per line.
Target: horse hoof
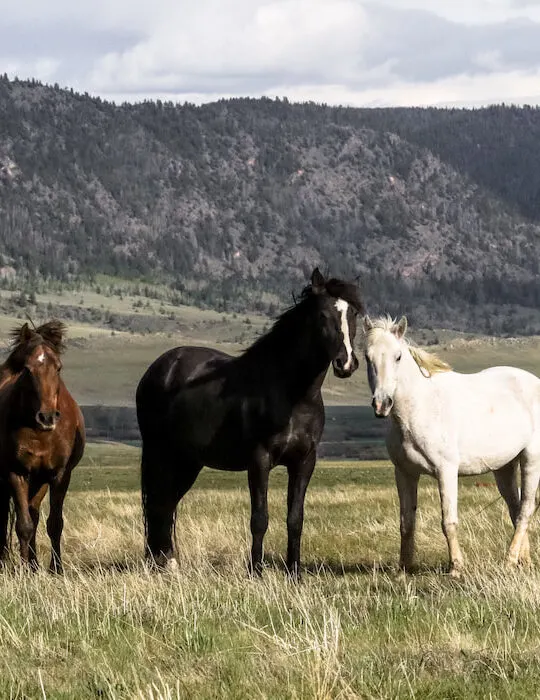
(255, 570)
(406, 567)
(171, 565)
(456, 572)
(294, 575)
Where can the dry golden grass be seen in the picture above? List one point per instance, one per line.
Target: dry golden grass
(354, 628)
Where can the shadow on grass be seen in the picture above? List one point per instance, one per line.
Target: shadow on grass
(339, 568)
(223, 565)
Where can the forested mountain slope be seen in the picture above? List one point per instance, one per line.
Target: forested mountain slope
(232, 203)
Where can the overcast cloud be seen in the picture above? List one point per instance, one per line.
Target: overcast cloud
(389, 52)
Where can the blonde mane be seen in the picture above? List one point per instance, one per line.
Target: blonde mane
(428, 362)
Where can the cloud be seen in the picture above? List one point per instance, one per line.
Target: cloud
(42, 68)
(336, 51)
(252, 44)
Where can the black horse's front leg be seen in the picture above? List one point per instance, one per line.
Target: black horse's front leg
(299, 477)
(258, 474)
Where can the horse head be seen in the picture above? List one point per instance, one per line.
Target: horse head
(36, 358)
(338, 305)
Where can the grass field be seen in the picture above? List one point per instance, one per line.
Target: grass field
(355, 627)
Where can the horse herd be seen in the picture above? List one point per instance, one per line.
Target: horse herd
(200, 407)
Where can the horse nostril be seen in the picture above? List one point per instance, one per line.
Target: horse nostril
(57, 414)
(41, 417)
(338, 363)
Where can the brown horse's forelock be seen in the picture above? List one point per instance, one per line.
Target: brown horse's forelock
(50, 334)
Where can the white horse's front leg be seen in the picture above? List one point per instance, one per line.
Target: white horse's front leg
(448, 490)
(407, 486)
(530, 475)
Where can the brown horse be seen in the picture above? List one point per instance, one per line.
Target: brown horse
(41, 437)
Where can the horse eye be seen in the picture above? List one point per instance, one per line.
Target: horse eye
(398, 358)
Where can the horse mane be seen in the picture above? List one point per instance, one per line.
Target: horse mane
(338, 289)
(428, 362)
(24, 339)
(287, 321)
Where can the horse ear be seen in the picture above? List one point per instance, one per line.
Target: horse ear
(25, 333)
(317, 281)
(401, 326)
(368, 323)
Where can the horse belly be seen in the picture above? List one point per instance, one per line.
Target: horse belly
(494, 440)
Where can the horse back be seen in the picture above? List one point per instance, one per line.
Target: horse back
(169, 375)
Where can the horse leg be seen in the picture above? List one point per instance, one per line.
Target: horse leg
(507, 483)
(5, 496)
(407, 486)
(159, 504)
(24, 526)
(33, 507)
(258, 474)
(448, 490)
(55, 521)
(530, 476)
(299, 477)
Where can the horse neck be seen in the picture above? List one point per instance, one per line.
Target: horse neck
(412, 388)
(298, 363)
(6, 375)
(17, 401)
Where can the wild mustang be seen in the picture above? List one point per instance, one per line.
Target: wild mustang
(41, 437)
(446, 424)
(198, 406)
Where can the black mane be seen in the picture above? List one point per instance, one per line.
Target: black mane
(287, 322)
(339, 289)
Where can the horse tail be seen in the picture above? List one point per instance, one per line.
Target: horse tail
(146, 481)
(157, 479)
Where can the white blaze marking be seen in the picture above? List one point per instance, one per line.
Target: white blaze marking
(342, 306)
(41, 358)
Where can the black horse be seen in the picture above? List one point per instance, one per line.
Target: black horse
(197, 407)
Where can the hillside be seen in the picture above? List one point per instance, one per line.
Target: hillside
(230, 205)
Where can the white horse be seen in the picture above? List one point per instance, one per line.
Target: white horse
(447, 424)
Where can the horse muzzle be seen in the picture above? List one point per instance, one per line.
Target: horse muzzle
(47, 420)
(382, 408)
(340, 367)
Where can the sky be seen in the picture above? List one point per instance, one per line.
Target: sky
(349, 52)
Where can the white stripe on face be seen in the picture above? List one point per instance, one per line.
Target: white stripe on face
(342, 306)
(41, 358)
